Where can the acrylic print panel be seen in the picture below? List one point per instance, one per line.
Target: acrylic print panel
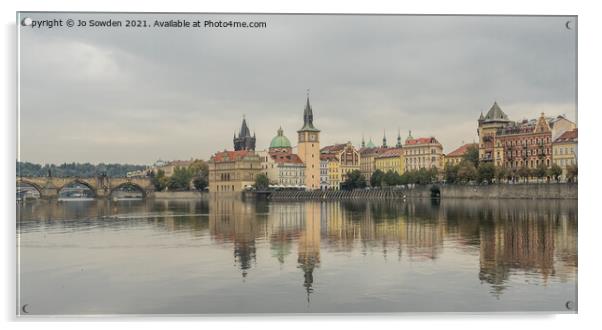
(234, 163)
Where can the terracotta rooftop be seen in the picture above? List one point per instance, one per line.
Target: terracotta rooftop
(328, 157)
(421, 141)
(375, 150)
(568, 136)
(333, 148)
(461, 151)
(286, 158)
(230, 155)
(392, 152)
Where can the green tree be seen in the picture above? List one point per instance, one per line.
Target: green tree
(467, 172)
(486, 172)
(433, 174)
(376, 179)
(540, 171)
(200, 183)
(159, 180)
(199, 167)
(200, 174)
(555, 172)
(472, 155)
(501, 173)
(524, 172)
(180, 179)
(391, 178)
(262, 182)
(571, 173)
(354, 180)
(451, 173)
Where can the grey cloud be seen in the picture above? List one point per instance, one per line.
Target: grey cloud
(137, 95)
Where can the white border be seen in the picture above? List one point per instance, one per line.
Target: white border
(590, 116)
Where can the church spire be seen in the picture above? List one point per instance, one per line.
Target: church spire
(398, 139)
(244, 129)
(384, 139)
(363, 141)
(244, 141)
(308, 117)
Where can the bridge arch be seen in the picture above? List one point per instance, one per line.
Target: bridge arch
(31, 183)
(78, 181)
(129, 184)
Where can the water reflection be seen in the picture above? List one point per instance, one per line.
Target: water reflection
(536, 240)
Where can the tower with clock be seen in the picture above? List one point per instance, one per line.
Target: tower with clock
(309, 148)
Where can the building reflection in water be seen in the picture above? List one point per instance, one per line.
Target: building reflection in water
(533, 238)
(308, 255)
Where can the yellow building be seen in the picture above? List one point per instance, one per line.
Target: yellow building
(347, 159)
(367, 156)
(422, 153)
(309, 149)
(390, 160)
(564, 151)
(233, 171)
(334, 172)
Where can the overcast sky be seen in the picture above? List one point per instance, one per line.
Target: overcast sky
(137, 95)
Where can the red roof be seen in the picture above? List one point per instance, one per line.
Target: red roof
(328, 157)
(568, 136)
(375, 150)
(286, 158)
(422, 141)
(230, 155)
(393, 152)
(461, 151)
(333, 148)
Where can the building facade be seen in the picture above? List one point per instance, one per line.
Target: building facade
(367, 156)
(348, 159)
(564, 151)
(526, 144)
(422, 153)
(233, 171)
(490, 149)
(324, 180)
(513, 144)
(281, 165)
(309, 148)
(455, 157)
(390, 160)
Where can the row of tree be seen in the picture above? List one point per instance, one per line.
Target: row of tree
(195, 176)
(82, 170)
(487, 172)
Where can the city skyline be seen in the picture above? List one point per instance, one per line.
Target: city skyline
(121, 97)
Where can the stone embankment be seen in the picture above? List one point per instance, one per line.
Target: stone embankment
(493, 191)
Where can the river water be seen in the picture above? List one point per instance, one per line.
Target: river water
(224, 255)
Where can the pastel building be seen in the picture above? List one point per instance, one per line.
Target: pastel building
(455, 157)
(424, 152)
(233, 171)
(281, 165)
(564, 151)
(348, 159)
(391, 160)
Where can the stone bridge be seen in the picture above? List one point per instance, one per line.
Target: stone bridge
(102, 187)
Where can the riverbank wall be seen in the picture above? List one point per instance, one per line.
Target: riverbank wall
(180, 195)
(494, 191)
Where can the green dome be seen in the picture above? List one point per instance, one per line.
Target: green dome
(280, 141)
